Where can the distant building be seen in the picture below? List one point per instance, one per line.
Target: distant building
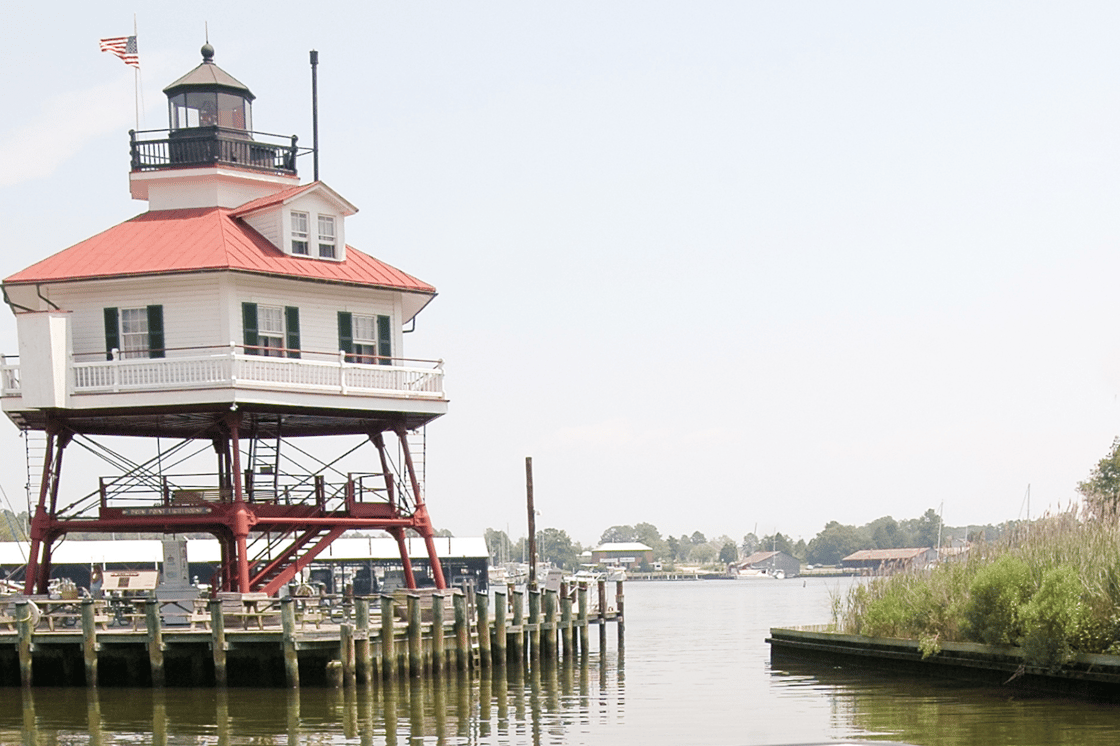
(888, 561)
(628, 554)
(770, 562)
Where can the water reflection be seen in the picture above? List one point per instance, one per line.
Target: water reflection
(537, 706)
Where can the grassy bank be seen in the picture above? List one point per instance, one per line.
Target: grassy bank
(1053, 590)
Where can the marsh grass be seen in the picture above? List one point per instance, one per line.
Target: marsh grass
(1053, 589)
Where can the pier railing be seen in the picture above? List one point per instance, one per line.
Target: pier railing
(246, 367)
(406, 633)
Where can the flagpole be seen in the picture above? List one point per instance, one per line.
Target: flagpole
(136, 76)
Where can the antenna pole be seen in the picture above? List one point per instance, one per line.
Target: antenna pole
(315, 110)
(532, 523)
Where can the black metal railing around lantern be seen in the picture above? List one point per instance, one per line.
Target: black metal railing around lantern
(154, 150)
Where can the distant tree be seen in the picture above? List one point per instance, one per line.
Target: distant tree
(697, 538)
(884, 533)
(835, 542)
(555, 546)
(928, 529)
(776, 543)
(674, 545)
(1102, 489)
(616, 534)
(749, 545)
(800, 550)
(648, 534)
(499, 546)
(703, 553)
(728, 553)
(444, 532)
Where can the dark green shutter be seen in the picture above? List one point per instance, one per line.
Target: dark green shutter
(249, 328)
(384, 340)
(112, 332)
(155, 332)
(291, 324)
(346, 333)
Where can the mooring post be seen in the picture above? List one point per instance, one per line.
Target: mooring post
(462, 630)
(288, 644)
(218, 641)
(361, 640)
(581, 622)
(620, 617)
(346, 655)
(566, 621)
(155, 641)
(499, 641)
(518, 637)
(482, 606)
(388, 652)
(548, 626)
(602, 615)
(437, 632)
(415, 636)
(89, 641)
(534, 624)
(24, 624)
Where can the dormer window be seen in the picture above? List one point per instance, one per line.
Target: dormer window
(299, 233)
(326, 237)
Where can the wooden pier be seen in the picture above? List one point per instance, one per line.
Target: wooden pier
(250, 640)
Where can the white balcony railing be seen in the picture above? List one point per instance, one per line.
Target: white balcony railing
(230, 367)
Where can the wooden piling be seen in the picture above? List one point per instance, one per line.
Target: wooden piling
(291, 656)
(534, 624)
(548, 626)
(388, 651)
(620, 618)
(517, 651)
(346, 655)
(155, 641)
(602, 615)
(566, 640)
(24, 624)
(89, 642)
(499, 641)
(482, 604)
(437, 632)
(415, 636)
(462, 630)
(218, 642)
(362, 646)
(581, 620)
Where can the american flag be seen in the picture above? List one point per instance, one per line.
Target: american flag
(124, 47)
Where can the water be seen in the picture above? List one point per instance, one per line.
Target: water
(696, 670)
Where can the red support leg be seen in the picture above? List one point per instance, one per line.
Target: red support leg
(409, 578)
(241, 519)
(422, 521)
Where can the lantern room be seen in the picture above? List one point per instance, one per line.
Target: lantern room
(208, 96)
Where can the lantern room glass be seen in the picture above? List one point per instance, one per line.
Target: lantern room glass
(209, 109)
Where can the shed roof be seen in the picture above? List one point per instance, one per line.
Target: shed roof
(885, 555)
(623, 546)
(203, 239)
(759, 557)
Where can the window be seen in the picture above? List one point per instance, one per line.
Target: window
(134, 332)
(299, 232)
(270, 330)
(326, 237)
(365, 339)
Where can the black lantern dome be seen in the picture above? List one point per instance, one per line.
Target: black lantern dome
(208, 96)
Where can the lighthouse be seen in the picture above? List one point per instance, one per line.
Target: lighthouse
(229, 322)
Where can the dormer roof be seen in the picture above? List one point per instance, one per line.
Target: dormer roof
(287, 196)
(204, 240)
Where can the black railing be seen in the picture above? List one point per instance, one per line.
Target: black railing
(153, 150)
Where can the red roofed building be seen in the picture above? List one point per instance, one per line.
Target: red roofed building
(234, 312)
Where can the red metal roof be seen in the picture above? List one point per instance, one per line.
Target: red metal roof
(203, 239)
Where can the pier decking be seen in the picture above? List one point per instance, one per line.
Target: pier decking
(293, 640)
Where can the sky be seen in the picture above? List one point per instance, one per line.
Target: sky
(726, 266)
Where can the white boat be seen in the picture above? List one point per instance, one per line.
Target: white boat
(750, 573)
